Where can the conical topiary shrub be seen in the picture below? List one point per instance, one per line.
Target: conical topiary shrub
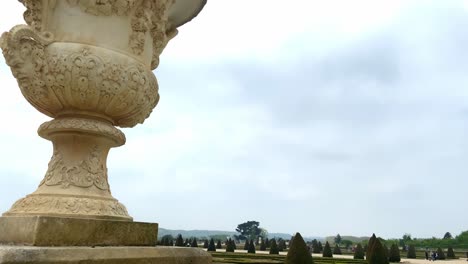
(298, 252)
(218, 245)
(440, 254)
(370, 244)
(251, 247)
(336, 250)
(179, 241)
(273, 247)
(394, 254)
(211, 246)
(263, 245)
(377, 254)
(246, 245)
(327, 252)
(315, 246)
(230, 245)
(411, 252)
(359, 252)
(194, 243)
(205, 244)
(450, 253)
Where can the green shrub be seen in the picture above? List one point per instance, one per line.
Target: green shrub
(273, 247)
(377, 254)
(251, 247)
(450, 253)
(411, 252)
(218, 245)
(337, 250)
(441, 254)
(315, 246)
(194, 243)
(320, 246)
(179, 241)
(298, 252)
(370, 244)
(359, 252)
(205, 244)
(246, 245)
(263, 245)
(230, 245)
(394, 254)
(211, 246)
(327, 252)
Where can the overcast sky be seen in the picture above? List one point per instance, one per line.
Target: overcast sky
(321, 117)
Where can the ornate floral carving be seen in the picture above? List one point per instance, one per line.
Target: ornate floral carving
(104, 7)
(38, 204)
(33, 13)
(83, 173)
(152, 17)
(82, 125)
(56, 79)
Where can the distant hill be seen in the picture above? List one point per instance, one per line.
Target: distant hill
(208, 233)
(354, 239)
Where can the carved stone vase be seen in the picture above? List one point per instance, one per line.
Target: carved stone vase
(88, 65)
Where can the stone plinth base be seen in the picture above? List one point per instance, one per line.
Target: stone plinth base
(57, 231)
(102, 255)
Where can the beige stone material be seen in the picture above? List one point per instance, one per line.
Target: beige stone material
(103, 255)
(58, 231)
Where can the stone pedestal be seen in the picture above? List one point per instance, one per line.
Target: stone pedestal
(102, 255)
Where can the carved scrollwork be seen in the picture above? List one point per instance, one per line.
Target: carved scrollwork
(36, 204)
(84, 173)
(104, 7)
(55, 79)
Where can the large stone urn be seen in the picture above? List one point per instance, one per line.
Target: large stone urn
(88, 65)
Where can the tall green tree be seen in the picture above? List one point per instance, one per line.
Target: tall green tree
(337, 239)
(411, 252)
(394, 254)
(179, 241)
(249, 230)
(218, 245)
(206, 244)
(377, 254)
(251, 247)
(298, 252)
(211, 246)
(359, 252)
(274, 247)
(327, 252)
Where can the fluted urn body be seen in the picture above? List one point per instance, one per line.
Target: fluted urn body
(88, 65)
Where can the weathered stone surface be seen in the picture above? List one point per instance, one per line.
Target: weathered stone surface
(103, 255)
(56, 231)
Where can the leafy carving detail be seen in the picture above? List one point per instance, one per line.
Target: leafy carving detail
(104, 7)
(35, 204)
(84, 173)
(54, 81)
